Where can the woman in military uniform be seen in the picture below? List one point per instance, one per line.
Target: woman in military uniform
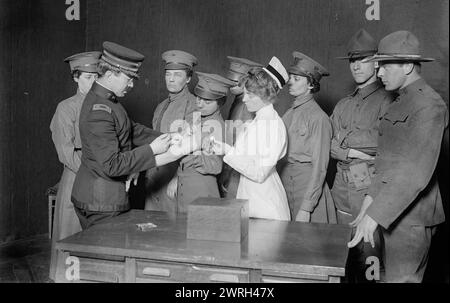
(196, 175)
(309, 129)
(66, 137)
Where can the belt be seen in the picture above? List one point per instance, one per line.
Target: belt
(348, 178)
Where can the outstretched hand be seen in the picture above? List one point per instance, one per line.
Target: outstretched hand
(218, 147)
(161, 144)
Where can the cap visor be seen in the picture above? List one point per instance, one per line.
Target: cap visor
(177, 66)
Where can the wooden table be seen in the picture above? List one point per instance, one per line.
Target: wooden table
(274, 251)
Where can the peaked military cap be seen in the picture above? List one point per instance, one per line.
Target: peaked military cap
(399, 46)
(305, 66)
(239, 67)
(360, 46)
(277, 71)
(85, 62)
(126, 60)
(212, 86)
(177, 59)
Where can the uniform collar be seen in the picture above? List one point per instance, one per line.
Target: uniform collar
(103, 92)
(300, 100)
(212, 116)
(79, 93)
(182, 95)
(368, 90)
(412, 87)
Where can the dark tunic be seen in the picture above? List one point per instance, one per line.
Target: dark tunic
(108, 137)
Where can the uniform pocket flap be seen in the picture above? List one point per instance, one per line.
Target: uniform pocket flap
(396, 117)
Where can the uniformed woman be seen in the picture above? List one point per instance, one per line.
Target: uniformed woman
(66, 137)
(169, 116)
(260, 145)
(196, 175)
(304, 168)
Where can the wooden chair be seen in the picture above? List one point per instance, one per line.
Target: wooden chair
(51, 194)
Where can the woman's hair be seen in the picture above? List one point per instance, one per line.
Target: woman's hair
(189, 73)
(76, 74)
(260, 83)
(314, 83)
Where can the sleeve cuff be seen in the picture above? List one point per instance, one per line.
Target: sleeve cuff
(377, 215)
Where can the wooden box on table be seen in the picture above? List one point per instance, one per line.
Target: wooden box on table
(218, 219)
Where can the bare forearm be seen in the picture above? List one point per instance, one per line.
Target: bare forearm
(165, 158)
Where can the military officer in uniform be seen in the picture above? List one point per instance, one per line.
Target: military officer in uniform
(404, 199)
(196, 176)
(238, 115)
(304, 168)
(114, 147)
(170, 116)
(66, 137)
(355, 122)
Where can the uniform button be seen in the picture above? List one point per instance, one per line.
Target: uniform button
(380, 134)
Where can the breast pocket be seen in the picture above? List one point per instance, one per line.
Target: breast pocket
(398, 118)
(301, 130)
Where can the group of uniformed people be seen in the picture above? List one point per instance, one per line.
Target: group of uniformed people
(386, 137)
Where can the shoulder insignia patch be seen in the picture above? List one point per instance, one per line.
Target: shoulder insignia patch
(102, 107)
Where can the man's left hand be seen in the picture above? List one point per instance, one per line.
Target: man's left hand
(364, 229)
(131, 178)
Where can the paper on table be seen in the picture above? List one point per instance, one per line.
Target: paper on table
(145, 226)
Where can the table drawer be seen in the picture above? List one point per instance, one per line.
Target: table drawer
(97, 270)
(289, 277)
(155, 271)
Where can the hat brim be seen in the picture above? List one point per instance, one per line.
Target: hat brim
(377, 58)
(352, 57)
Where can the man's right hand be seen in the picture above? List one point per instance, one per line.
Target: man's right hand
(161, 144)
(356, 154)
(185, 146)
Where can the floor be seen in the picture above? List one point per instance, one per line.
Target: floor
(25, 261)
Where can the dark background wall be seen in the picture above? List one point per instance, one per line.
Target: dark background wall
(35, 37)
